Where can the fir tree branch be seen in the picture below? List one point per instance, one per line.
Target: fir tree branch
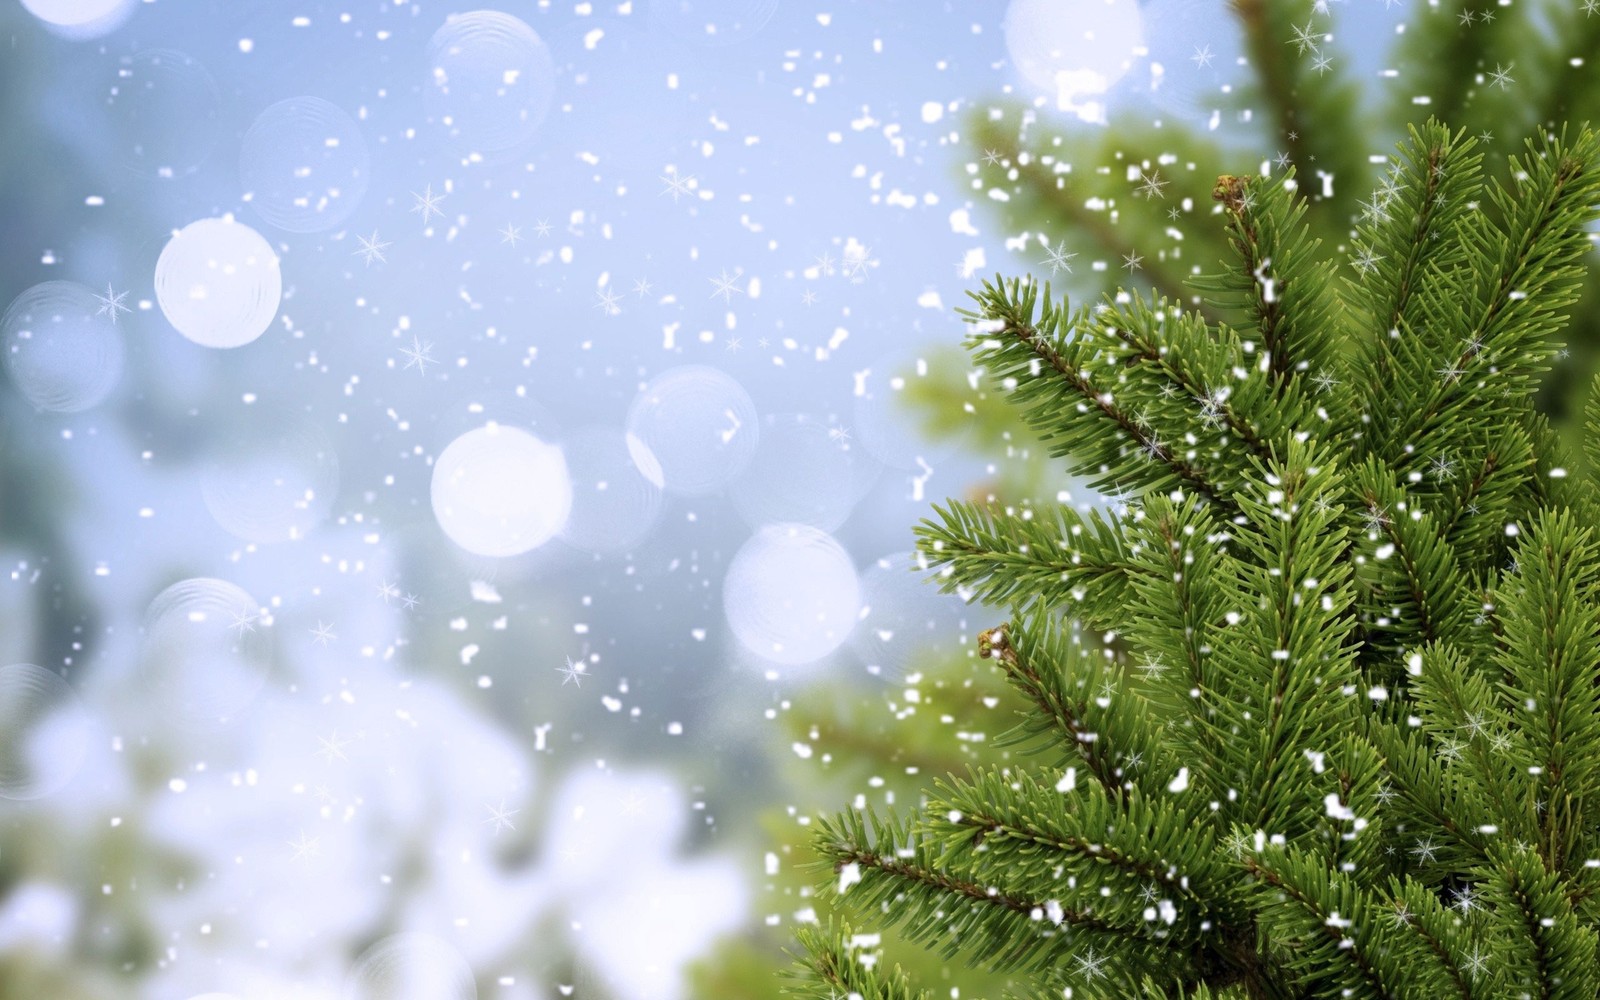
(1189, 357)
(1123, 844)
(1056, 558)
(1513, 284)
(951, 907)
(1551, 660)
(1058, 398)
(1276, 280)
(1549, 950)
(1411, 567)
(830, 965)
(1341, 948)
(1041, 676)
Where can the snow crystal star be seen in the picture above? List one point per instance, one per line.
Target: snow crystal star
(572, 672)
(543, 228)
(511, 234)
(608, 300)
(1305, 38)
(1151, 188)
(427, 204)
(856, 261)
(808, 296)
(677, 186)
(111, 304)
(1089, 964)
(1202, 56)
(243, 622)
(991, 157)
(825, 263)
(331, 748)
(305, 847)
(387, 590)
(323, 634)
(419, 356)
(724, 285)
(1131, 261)
(1059, 258)
(370, 249)
(641, 288)
(1501, 75)
(500, 816)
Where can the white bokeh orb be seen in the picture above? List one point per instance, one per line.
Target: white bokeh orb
(304, 165)
(162, 113)
(411, 966)
(206, 653)
(700, 425)
(60, 346)
(44, 732)
(791, 594)
(616, 491)
(500, 491)
(490, 81)
(1074, 52)
(218, 284)
(80, 19)
(712, 22)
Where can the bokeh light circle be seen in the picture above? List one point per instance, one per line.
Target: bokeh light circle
(218, 284)
(80, 19)
(700, 425)
(886, 423)
(206, 653)
(904, 617)
(803, 471)
(44, 732)
(1073, 52)
(712, 22)
(490, 80)
(60, 347)
(791, 594)
(411, 966)
(272, 482)
(304, 165)
(616, 490)
(162, 112)
(500, 491)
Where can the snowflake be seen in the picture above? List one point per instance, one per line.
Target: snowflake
(1131, 261)
(724, 285)
(305, 847)
(543, 228)
(1058, 258)
(111, 304)
(323, 634)
(677, 186)
(500, 816)
(1425, 849)
(1089, 964)
(856, 261)
(371, 249)
(607, 301)
(1202, 56)
(1305, 38)
(511, 234)
(331, 748)
(1152, 185)
(1476, 961)
(1324, 380)
(419, 356)
(991, 157)
(427, 204)
(571, 673)
(641, 287)
(1501, 75)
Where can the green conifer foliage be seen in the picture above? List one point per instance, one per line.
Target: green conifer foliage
(1347, 742)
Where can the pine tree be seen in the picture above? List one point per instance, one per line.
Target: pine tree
(1346, 740)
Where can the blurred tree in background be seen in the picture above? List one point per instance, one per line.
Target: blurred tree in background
(1128, 205)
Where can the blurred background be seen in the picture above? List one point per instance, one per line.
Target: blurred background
(457, 465)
